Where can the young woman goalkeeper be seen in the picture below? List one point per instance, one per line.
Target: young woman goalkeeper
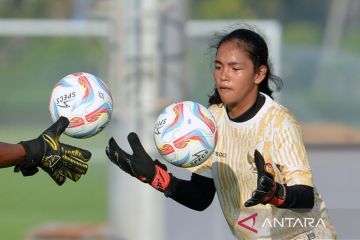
(260, 168)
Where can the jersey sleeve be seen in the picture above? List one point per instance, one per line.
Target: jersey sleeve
(290, 155)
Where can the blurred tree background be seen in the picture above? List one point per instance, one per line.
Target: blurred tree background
(36, 9)
(320, 50)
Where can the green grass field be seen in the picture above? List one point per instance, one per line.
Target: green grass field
(29, 202)
(34, 201)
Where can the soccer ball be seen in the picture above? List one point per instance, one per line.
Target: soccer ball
(185, 134)
(85, 100)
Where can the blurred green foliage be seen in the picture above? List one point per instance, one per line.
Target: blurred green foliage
(227, 9)
(30, 67)
(303, 22)
(285, 11)
(35, 8)
(351, 41)
(302, 33)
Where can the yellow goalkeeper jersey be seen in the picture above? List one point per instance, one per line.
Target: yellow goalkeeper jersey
(278, 136)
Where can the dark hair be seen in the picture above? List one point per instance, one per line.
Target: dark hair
(257, 50)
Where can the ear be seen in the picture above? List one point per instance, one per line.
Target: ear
(261, 73)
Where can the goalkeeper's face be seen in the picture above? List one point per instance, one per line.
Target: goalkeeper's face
(235, 77)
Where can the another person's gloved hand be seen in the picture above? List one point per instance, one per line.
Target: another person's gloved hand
(267, 191)
(59, 160)
(139, 164)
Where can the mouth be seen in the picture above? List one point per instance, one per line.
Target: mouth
(224, 89)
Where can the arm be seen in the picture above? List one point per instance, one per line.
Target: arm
(291, 158)
(11, 154)
(298, 196)
(196, 194)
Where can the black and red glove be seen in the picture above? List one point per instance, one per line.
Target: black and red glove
(139, 164)
(268, 190)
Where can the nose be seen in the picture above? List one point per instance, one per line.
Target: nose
(224, 75)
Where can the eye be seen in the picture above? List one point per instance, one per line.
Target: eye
(236, 68)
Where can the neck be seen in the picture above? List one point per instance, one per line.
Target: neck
(252, 111)
(240, 108)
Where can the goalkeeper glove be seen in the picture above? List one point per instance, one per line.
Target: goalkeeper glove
(59, 160)
(267, 191)
(139, 164)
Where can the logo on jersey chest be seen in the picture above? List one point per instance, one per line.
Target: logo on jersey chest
(251, 162)
(220, 154)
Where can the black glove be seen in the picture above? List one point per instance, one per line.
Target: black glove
(59, 160)
(267, 191)
(139, 164)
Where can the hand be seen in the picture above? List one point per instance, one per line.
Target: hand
(139, 164)
(59, 160)
(267, 191)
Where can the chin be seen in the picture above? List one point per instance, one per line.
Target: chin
(226, 99)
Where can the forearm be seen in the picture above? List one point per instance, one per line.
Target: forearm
(299, 197)
(11, 154)
(197, 194)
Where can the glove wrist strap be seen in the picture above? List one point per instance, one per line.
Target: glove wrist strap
(279, 196)
(33, 151)
(161, 179)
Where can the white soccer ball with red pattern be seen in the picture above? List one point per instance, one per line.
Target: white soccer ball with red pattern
(85, 100)
(185, 134)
